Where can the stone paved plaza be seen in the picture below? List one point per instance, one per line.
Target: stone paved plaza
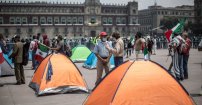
(11, 94)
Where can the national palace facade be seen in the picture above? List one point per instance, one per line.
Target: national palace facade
(67, 19)
(85, 19)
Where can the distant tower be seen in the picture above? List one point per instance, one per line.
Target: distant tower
(155, 3)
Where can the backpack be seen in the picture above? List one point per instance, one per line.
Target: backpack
(35, 46)
(25, 56)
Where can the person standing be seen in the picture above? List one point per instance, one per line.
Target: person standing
(129, 48)
(139, 44)
(150, 44)
(186, 54)
(60, 45)
(177, 60)
(33, 47)
(46, 40)
(17, 55)
(155, 45)
(118, 50)
(103, 56)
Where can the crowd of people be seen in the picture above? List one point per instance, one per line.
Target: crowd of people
(103, 46)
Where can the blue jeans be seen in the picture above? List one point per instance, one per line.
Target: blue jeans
(180, 60)
(118, 61)
(185, 62)
(34, 62)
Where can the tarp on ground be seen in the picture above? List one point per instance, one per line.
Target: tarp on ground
(91, 62)
(80, 53)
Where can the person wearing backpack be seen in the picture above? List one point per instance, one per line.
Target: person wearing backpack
(33, 47)
(17, 55)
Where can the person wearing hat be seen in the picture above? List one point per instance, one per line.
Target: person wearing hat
(17, 55)
(103, 56)
(118, 51)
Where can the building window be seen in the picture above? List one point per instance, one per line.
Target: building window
(134, 21)
(34, 20)
(6, 31)
(18, 20)
(134, 11)
(43, 30)
(1, 20)
(104, 20)
(110, 30)
(56, 20)
(24, 20)
(110, 20)
(30, 30)
(56, 31)
(118, 20)
(80, 20)
(123, 29)
(18, 31)
(80, 30)
(43, 20)
(63, 20)
(93, 20)
(66, 31)
(159, 13)
(69, 20)
(12, 20)
(123, 21)
(74, 20)
(162, 12)
(104, 29)
(116, 29)
(49, 20)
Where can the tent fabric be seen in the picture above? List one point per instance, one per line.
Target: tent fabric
(80, 53)
(7, 67)
(57, 74)
(91, 62)
(9, 61)
(139, 83)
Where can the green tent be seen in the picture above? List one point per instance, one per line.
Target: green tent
(80, 53)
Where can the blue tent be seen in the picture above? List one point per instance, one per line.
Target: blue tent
(7, 67)
(91, 61)
(9, 61)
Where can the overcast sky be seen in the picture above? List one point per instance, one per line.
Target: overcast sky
(142, 4)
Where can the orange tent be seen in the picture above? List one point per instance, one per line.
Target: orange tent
(139, 83)
(57, 74)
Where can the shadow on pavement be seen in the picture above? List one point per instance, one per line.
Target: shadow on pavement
(196, 95)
